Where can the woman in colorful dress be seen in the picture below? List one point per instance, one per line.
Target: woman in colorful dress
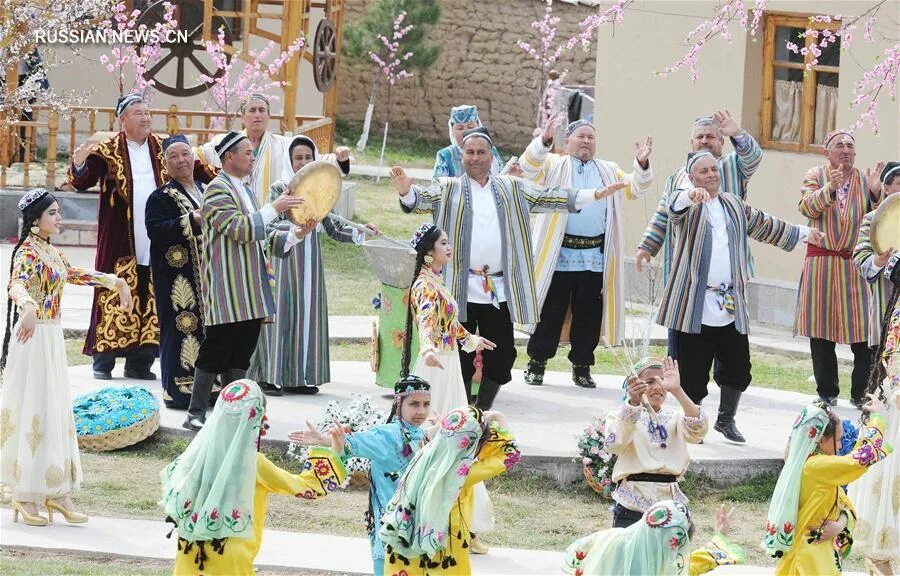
(389, 447)
(440, 333)
(217, 492)
(655, 545)
(652, 453)
(39, 456)
(810, 521)
(426, 526)
(292, 354)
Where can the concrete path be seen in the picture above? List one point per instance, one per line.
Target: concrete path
(280, 549)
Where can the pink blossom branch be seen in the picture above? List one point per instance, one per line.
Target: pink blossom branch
(389, 61)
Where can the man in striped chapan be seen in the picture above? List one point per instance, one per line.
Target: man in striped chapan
(833, 299)
(491, 273)
(704, 300)
(237, 279)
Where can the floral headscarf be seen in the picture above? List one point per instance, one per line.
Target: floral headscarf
(781, 520)
(208, 490)
(416, 520)
(653, 545)
(461, 115)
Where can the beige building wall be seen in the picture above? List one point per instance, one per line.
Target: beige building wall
(632, 102)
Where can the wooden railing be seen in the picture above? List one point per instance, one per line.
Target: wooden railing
(18, 142)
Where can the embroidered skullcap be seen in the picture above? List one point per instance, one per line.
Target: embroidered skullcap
(302, 141)
(647, 363)
(175, 139)
(463, 114)
(834, 134)
(31, 197)
(125, 101)
(891, 170)
(228, 142)
(694, 156)
(255, 96)
(573, 126)
(480, 132)
(411, 385)
(423, 231)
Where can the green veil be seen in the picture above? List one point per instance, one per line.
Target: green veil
(653, 545)
(208, 490)
(416, 520)
(781, 520)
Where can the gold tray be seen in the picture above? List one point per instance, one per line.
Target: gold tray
(885, 231)
(319, 184)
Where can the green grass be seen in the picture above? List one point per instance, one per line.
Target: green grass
(532, 512)
(74, 346)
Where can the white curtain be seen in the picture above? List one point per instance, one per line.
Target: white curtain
(826, 111)
(786, 113)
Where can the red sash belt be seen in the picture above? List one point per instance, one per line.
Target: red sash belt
(812, 251)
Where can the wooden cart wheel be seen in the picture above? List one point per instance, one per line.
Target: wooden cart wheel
(325, 54)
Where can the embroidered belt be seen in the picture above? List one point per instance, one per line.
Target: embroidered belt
(812, 251)
(583, 242)
(487, 284)
(660, 478)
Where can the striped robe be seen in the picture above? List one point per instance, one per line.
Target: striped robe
(237, 279)
(685, 291)
(735, 171)
(833, 299)
(271, 164)
(543, 168)
(449, 201)
(293, 351)
(880, 288)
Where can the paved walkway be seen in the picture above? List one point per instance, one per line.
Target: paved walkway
(280, 549)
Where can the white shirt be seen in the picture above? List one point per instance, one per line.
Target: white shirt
(719, 266)
(143, 183)
(486, 245)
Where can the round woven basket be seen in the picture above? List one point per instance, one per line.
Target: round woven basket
(121, 438)
(589, 478)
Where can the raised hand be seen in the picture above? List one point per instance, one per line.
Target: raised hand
(402, 183)
(549, 130)
(728, 126)
(609, 190)
(873, 177)
(309, 437)
(636, 388)
(835, 180)
(342, 153)
(642, 257)
(698, 195)
(671, 377)
(338, 437)
(642, 152)
(80, 154)
(723, 520)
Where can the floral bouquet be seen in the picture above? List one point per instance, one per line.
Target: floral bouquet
(596, 462)
(361, 414)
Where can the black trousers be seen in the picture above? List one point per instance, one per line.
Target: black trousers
(825, 368)
(624, 517)
(673, 353)
(495, 325)
(696, 352)
(584, 292)
(228, 346)
(137, 360)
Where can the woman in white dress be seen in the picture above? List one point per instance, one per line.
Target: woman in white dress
(434, 311)
(39, 457)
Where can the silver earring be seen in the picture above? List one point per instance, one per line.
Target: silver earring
(428, 259)
(34, 230)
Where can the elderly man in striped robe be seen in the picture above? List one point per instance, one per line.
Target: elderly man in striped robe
(491, 273)
(704, 300)
(579, 258)
(237, 284)
(833, 299)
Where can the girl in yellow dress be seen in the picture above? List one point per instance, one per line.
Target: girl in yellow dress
(810, 522)
(426, 525)
(216, 493)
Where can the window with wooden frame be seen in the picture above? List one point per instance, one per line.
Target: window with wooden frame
(799, 106)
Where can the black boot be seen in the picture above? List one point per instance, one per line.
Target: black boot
(203, 385)
(581, 376)
(534, 374)
(728, 405)
(487, 391)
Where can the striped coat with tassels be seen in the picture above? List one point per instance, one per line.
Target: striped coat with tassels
(833, 299)
(238, 282)
(450, 201)
(682, 300)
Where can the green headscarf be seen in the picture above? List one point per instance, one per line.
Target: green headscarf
(781, 520)
(208, 490)
(653, 545)
(416, 520)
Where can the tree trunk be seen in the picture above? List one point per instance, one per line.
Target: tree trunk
(370, 109)
(384, 138)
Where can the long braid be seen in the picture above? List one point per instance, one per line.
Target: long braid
(408, 330)
(12, 312)
(877, 373)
